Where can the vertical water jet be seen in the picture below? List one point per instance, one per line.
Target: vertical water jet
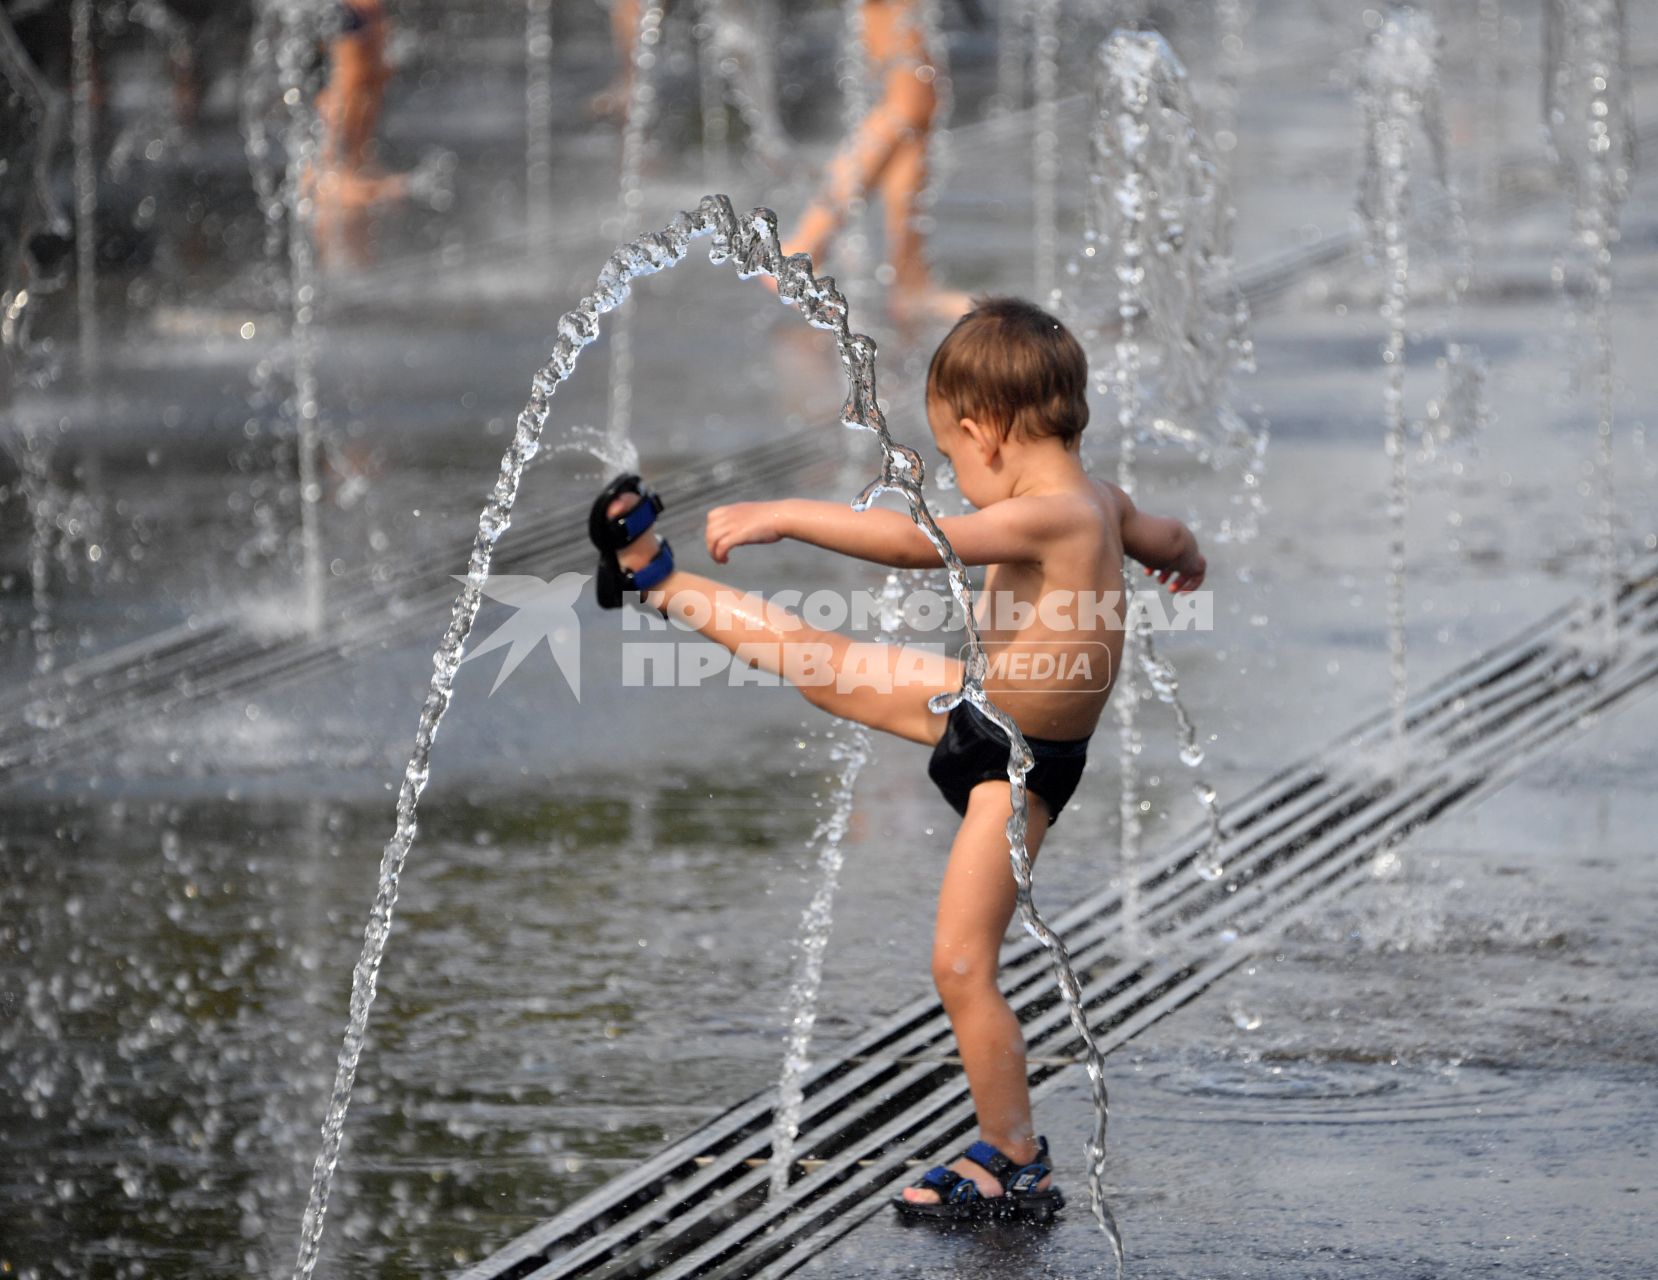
(1397, 91)
(1590, 125)
(1151, 294)
(829, 841)
(83, 130)
(1012, 17)
(641, 110)
(538, 119)
(1045, 145)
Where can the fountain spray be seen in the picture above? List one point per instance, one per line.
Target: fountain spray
(641, 111)
(538, 118)
(285, 37)
(1397, 90)
(829, 839)
(1590, 124)
(1011, 17)
(1045, 146)
(31, 117)
(1152, 287)
(734, 61)
(83, 135)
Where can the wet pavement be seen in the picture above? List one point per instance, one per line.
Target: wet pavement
(1451, 1071)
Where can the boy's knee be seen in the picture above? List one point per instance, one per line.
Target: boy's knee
(960, 975)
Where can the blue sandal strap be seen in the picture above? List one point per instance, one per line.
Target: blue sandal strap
(1016, 1179)
(647, 576)
(637, 519)
(952, 1187)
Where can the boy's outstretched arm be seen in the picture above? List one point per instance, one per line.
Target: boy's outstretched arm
(1008, 532)
(1161, 543)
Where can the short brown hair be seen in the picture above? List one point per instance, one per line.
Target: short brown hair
(1012, 366)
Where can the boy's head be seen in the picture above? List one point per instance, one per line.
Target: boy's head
(1011, 367)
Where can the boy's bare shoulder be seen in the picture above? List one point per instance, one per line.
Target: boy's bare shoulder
(1079, 518)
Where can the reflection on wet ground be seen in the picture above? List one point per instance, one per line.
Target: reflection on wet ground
(178, 976)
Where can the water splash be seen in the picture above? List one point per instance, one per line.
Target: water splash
(829, 840)
(1590, 122)
(596, 442)
(1397, 89)
(1164, 682)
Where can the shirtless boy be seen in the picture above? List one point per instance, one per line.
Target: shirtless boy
(1006, 402)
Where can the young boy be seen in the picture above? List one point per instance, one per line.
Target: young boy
(1006, 401)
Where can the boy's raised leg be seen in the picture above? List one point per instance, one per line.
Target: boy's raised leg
(975, 906)
(884, 686)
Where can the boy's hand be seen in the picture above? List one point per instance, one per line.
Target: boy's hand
(741, 524)
(1185, 574)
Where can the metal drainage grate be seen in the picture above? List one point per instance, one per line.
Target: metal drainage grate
(701, 1208)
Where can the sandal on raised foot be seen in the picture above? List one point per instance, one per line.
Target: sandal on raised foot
(611, 533)
(960, 1200)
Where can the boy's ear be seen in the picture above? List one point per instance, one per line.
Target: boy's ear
(984, 438)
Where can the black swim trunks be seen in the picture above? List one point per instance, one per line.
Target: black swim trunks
(973, 750)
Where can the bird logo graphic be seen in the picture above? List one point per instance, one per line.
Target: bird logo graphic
(545, 611)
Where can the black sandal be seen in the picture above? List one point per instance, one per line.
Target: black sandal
(611, 533)
(960, 1200)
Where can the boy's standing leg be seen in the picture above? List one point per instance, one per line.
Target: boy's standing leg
(975, 906)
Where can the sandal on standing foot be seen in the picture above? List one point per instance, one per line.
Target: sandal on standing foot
(960, 1200)
(611, 533)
